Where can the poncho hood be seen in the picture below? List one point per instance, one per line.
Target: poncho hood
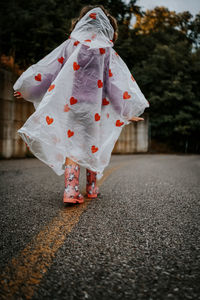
(94, 29)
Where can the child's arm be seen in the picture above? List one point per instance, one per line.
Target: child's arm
(35, 81)
(123, 91)
(136, 119)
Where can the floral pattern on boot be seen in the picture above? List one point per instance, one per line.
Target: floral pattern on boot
(71, 192)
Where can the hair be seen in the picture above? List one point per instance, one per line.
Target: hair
(87, 8)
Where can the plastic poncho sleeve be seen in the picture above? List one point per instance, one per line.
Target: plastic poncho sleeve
(35, 81)
(122, 89)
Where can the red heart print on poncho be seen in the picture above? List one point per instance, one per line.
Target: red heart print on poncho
(87, 41)
(27, 146)
(100, 84)
(75, 66)
(66, 107)
(105, 101)
(70, 133)
(94, 149)
(110, 73)
(93, 36)
(38, 77)
(52, 86)
(73, 100)
(119, 123)
(126, 95)
(97, 117)
(102, 50)
(76, 43)
(61, 59)
(49, 120)
(55, 139)
(93, 15)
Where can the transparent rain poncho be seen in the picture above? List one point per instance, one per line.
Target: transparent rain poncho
(83, 94)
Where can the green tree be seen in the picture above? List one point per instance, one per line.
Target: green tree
(31, 29)
(160, 50)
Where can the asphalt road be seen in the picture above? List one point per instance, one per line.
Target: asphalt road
(139, 240)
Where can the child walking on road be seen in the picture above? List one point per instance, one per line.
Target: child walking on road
(83, 94)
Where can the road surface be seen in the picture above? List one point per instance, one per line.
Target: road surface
(139, 240)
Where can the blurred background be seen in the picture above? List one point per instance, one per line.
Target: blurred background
(159, 41)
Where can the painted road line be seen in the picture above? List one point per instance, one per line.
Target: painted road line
(24, 272)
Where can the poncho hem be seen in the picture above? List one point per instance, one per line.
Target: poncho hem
(24, 134)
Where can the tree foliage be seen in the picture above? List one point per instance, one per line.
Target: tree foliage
(31, 29)
(163, 52)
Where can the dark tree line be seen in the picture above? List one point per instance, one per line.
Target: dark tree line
(161, 50)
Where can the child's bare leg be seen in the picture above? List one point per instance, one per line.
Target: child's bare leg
(68, 161)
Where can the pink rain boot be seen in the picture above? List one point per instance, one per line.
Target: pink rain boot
(71, 192)
(91, 188)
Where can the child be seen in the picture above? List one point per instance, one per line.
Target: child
(84, 94)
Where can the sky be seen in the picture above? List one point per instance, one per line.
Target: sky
(193, 6)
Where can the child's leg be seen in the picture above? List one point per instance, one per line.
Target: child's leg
(71, 193)
(68, 161)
